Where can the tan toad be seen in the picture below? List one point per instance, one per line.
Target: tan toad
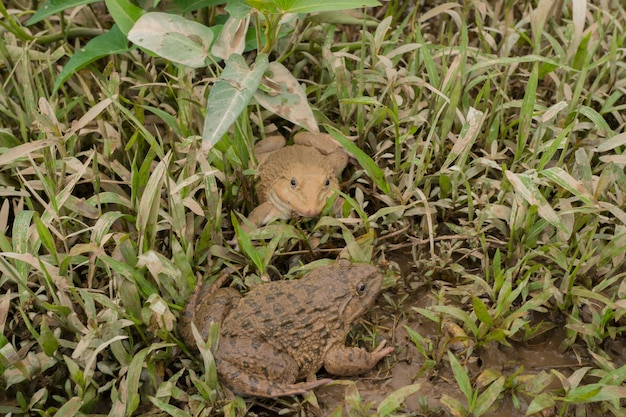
(296, 180)
(285, 331)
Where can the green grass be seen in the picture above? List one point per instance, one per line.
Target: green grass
(489, 144)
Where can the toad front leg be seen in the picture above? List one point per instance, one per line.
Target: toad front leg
(347, 361)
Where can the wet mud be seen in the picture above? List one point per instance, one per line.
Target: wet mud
(521, 362)
(407, 366)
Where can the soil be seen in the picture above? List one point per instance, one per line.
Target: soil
(406, 365)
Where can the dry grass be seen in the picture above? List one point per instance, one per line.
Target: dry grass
(492, 138)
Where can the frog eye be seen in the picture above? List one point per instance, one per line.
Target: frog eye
(294, 182)
(360, 288)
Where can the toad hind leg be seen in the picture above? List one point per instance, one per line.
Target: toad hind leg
(251, 367)
(261, 386)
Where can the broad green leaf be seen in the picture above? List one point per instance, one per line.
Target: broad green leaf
(186, 6)
(239, 9)
(282, 94)
(51, 7)
(309, 6)
(124, 13)
(232, 38)
(111, 43)
(230, 95)
(173, 37)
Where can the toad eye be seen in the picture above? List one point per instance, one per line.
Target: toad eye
(327, 183)
(294, 182)
(360, 288)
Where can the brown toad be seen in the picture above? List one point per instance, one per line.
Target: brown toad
(296, 180)
(284, 331)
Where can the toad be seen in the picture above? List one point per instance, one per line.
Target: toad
(282, 332)
(296, 180)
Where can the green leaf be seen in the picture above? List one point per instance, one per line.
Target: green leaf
(230, 95)
(597, 119)
(46, 238)
(458, 314)
(527, 111)
(111, 43)
(21, 224)
(488, 397)
(482, 313)
(584, 394)
(462, 379)
(418, 341)
(150, 203)
(559, 176)
(173, 37)
(286, 97)
(76, 374)
(453, 405)
(540, 402)
(51, 7)
(168, 408)
(309, 6)
(368, 164)
(48, 341)
(186, 6)
(138, 280)
(124, 13)
(394, 400)
(525, 186)
(246, 244)
(70, 408)
(134, 373)
(239, 9)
